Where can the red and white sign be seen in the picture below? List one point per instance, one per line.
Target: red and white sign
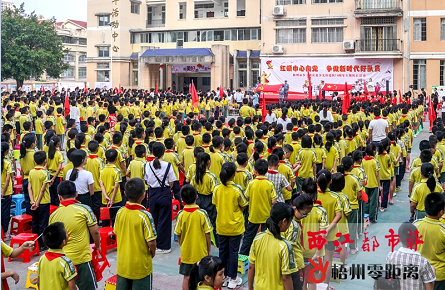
(275, 70)
(192, 68)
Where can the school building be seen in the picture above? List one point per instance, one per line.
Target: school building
(235, 43)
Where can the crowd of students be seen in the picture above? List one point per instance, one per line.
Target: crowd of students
(250, 186)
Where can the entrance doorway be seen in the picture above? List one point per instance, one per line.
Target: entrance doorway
(183, 81)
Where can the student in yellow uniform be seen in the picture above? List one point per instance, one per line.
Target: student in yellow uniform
(117, 145)
(385, 161)
(230, 203)
(208, 274)
(173, 157)
(262, 195)
(38, 189)
(271, 257)
(95, 165)
(192, 168)
(140, 135)
(110, 180)
(303, 205)
(245, 111)
(242, 175)
(430, 226)
(136, 240)
(55, 270)
(420, 190)
(193, 229)
(60, 124)
(80, 222)
(7, 180)
(216, 156)
(372, 168)
(54, 164)
(308, 159)
(204, 181)
(331, 153)
(180, 144)
(187, 157)
(39, 129)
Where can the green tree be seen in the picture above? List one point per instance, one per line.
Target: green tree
(30, 47)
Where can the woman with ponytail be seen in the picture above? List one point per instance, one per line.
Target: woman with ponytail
(230, 202)
(332, 204)
(331, 153)
(82, 178)
(207, 274)
(54, 164)
(422, 189)
(216, 156)
(269, 248)
(27, 163)
(384, 158)
(7, 169)
(160, 176)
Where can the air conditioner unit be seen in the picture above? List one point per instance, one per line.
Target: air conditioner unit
(277, 49)
(348, 45)
(278, 10)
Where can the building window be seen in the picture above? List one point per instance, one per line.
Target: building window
(104, 51)
(327, 34)
(254, 35)
(442, 69)
(324, 22)
(419, 74)
(103, 65)
(104, 20)
(68, 57)
(82, 41)
(255, 72)
(300, 22)
(218, 35)
(419, 29)
(206, 81)
(68, 73)
(83, 58)
(192, 36)
(103, 75)
(326, 1)
(135, 7)
(296, 35)
(82, 73)
(240, 7)
(182, 10)
(442, 29)
(290, 2)
(135, 77)
(206, 10)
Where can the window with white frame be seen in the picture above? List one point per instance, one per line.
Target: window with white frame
(326, 1)
(255, 72)
(68, 73)
(104, 51)
(240, 7)
(82, 72)
(104, 20)
(419, 74)
(68, 57)
(442, 29)
(135, 7)
(290, 2)
(182, 10)
(83, 58)
(103, 65)
(327, 34)
(135, 77)
(103, 75)
(293, 35)
(442, 73)
(419, 29)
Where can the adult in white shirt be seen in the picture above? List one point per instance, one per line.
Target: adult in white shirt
(378, 128)
(270, 117)
(239, 97)
(75, 114)
(370, 85)
(82, 178)
(284, 120)
(325, 116)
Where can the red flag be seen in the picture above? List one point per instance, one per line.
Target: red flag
(320, 95)
(86, 89)
(263, 109)
(346, 100)
(156, 89)
(431, 114)
(366, 90)
(43, 89)
(67, 105)
(221, 92)
(195, 98)
(310, 84)
(399, 99)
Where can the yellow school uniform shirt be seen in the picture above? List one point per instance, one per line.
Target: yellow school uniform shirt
(37, 178)
(22, 120)
(39, 126)
(111, 175)
(370, 165)
(351, 145)
(67, 167)
(120, 156)
(384, 160)
(433, 232)
(173, 157)
(331, 156)
(207, 185)
(53, 164)
(316, 221)
(346, 209)
(359, 172)
(60, 122)
(287, 171)
(352, 186)
(420, 191)
(260, 193)
(137, 169)
(242, 178)
(332, 204)
(296, 145)
(95, 165)
(134, 228)
(190, 171)
(320, 153)
(90, 111)
(7, 169)
(187, 156)
(272, 259)
(55, 274)
(228, 200)
(136, 143)
(217, 159)
(293, 236)
(307, 157)
(77, 218)
(198, 139)
(192, 224)
(158, 122)
(244, 111)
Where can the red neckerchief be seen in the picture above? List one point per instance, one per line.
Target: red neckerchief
(51, 256)
(272, 171)
(58, 115)
(250, 142)
(134, 206)
(318, 202)
(294, 129)
(264, 138)
(92, 156)
(69, 202)
(261, 178)
(349, 139)
(114, 147)
(384, 153)
(282, 162)
(403, 116)
(138, 142)
(368, 158)
(169, 151)
(38, 168)
(392, 142)
(205, 146)
(183, 137)
(191, 209)
(269, 151)
(376, 118)
(150, 158)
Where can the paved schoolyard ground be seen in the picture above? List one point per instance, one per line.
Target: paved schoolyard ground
(166, 267)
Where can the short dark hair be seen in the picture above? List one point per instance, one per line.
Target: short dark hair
(189, 140)
(169, 143)
(54, 235)
(338, 182)
(406, 232)
(139, 150)
(206, 138)
(261, 166)
(434, 203)
(273, 160)
(134, 189)
(40, 157)
(188, 194)
(93, 146)
(242, 158)
(111, 155)
(426, 155)
(66, 189)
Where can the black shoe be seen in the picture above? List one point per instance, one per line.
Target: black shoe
(411, 220)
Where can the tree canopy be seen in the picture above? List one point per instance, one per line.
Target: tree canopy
(30, 46)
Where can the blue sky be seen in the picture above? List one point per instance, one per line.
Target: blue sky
(61, 9)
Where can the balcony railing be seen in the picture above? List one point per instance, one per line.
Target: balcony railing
(378, 5)
(378, 45)
(156, 23)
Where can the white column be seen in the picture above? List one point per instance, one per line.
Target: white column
(161, 78)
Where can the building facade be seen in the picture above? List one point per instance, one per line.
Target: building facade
(7, 5)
